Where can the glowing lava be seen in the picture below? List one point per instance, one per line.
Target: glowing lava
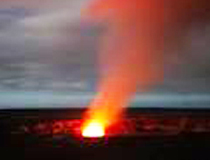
(93, 129)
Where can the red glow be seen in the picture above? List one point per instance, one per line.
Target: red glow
(130, 55)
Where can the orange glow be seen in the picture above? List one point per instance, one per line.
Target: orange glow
(130, 55)
(94, 129)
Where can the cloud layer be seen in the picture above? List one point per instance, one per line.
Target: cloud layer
(45, 46)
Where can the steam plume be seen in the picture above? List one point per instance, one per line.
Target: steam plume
(130, 53)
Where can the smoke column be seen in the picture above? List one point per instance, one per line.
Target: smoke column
(130, 53)
(131, 50)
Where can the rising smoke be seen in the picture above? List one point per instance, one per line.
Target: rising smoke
(130, 52)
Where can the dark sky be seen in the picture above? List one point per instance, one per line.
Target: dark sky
(48, 48)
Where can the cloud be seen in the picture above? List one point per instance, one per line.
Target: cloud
(46, 46)
(48, 34)
(40, 4)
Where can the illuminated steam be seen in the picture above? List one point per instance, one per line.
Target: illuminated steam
(130, 53)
